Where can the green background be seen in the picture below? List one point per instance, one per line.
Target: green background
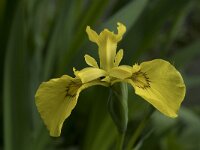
(43, 39)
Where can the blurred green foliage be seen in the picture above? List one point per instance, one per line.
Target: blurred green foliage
(41, 39)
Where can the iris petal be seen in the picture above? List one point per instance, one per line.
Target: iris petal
(91, 61)
(118, 57)
(166, 88)
(93, 36)
(121, 30)
(56, 99)
(107, 45)
(121, 72)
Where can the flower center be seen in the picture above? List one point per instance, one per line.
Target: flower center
(72, 88)
(141, 80)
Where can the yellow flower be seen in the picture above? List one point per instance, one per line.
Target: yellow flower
(157, 81)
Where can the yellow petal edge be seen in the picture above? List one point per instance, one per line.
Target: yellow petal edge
(166, 89)
(56, 99)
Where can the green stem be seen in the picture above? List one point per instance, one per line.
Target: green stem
(120, 141)
(139, 129)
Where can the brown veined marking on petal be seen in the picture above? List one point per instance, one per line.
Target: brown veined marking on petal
(72, 88)
(141, 79)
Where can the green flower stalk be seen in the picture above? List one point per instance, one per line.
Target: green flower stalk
(118, 106)
(156, 81)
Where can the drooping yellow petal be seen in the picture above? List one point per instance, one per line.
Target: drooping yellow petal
(56, 99)
(118, 57)
(91, 61)
(159, 83)
(89, 74)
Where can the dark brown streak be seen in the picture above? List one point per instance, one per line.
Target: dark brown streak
(72, 84)
(144, 74)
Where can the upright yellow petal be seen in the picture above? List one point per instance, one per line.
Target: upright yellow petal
(107, 44)
(118, 57)
(121, 30)
(159, 83)
(93, 36)
(56, 99)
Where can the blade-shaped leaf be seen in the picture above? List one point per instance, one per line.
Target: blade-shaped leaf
(17, 119)
(185, 55)
(128, 15)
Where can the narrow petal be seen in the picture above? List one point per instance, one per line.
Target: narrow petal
(56, 99)
(118, 57)
(93, 36)
(91, 61)
(159, 83)
(89, 74)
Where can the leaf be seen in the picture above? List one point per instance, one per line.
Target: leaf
(162, 123)
(103, 130)
(40, 22)
(191, 129)
(178, 20)
(184, 56)
(100, 124)
(192, 81)
(17, 113)
(58, 38)
(2, 8)
(148, 27)
(96, 7)
(190, 118)
(128, 15)
(142, 140)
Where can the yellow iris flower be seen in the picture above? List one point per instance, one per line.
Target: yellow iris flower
(157, 81)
